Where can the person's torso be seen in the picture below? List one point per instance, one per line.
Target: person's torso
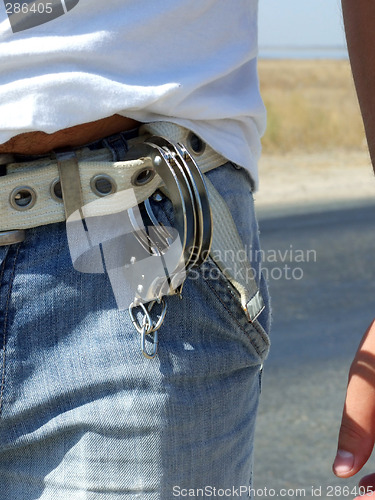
(68, 62)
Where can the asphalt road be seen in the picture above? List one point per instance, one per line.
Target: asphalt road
(323, 288)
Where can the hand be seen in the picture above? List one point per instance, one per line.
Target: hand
(357, 432)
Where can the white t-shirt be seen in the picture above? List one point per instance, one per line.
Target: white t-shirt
(186, 61)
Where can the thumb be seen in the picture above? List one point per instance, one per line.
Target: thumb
(357, 431)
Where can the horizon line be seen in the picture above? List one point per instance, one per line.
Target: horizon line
(302, 47)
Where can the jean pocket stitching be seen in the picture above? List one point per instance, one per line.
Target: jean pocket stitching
(224, 304)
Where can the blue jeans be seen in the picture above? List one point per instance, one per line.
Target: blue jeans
(84, 416)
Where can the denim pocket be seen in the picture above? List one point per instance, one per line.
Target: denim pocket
(234, 185)
(228, 299)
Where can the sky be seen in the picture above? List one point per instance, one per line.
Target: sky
(300, 23)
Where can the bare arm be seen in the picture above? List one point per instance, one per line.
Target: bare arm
(357, 432)
(359, 19)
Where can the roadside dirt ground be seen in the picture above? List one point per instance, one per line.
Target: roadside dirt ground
(314, 181)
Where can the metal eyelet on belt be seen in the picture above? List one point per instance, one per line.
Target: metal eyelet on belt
(103, 185)
(56, 191)
(143, 176)
(22, 198)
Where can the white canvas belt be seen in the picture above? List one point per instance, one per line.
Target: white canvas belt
(38, 178)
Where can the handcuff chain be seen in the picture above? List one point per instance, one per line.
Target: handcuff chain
(147, 326)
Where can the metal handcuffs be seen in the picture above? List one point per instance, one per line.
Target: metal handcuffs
(187, 191)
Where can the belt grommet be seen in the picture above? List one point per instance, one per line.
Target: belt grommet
(103, 185)
(143, 176)
(22, 198)
(56, 191)
(196, 145)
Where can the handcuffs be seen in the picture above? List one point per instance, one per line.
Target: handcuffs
(187, 192)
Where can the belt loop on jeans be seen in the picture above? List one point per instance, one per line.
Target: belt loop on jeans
(70, 181)
(4, 160)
